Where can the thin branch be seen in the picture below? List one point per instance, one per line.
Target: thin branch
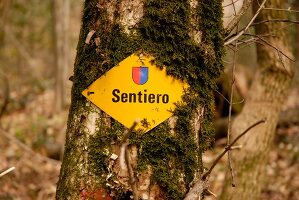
(269, 44)
(132, 180)
(243, 44)
(231, 48)
(7, 171)
(246, 42)
(202, 183)
(229, 147)
(127, 133)
(282, 63)
(248, 34)
(238, 102)
(232, 3)
(252, 40)
(236, 147)
(235, 12)
(248, 25)
(282, 9)
(223, 97)
(275, 20)
(226, 61)
(230, 110)
(235, 21)
(197, 190)
(227, 101)
(211, 193)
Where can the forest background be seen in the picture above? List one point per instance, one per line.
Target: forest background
(36, 103)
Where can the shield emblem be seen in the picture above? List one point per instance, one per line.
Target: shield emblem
(140, 75)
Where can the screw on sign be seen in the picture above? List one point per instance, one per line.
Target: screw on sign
(137, 89)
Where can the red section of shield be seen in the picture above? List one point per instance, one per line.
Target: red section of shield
(136, 75)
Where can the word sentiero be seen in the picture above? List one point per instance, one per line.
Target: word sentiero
(140, 97)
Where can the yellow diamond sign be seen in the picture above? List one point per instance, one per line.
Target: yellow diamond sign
(136, 89)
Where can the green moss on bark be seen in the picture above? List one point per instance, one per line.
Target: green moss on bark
(170, 156)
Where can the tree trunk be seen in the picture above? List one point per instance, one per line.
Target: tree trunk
(186, 38)
(4, 8)
(61, 16)
(296, 40)
(265, 99)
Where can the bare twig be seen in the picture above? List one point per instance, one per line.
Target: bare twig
(89, 36)
(7, 171)
(201, 184)
(196, 191)
(282, 63)
(246, 42)
(132, 180)
(235, 21)
(230, 146)
(275, 20)
(234, 7)
(238, 102)
(226, 61)
(269, 44)
(282, 9)
(236, 147)
(232, 3)
(211, 193)
(223, 96)
(128, 132)
(230, 108)
(248, 25)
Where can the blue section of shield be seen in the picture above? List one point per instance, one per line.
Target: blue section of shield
(143, 75)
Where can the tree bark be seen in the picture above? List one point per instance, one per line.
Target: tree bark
(265, 99)
(184, 36)
(4, 8)
(296, 40)
(4, 84)
(61, 15)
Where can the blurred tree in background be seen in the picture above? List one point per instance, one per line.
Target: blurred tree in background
(28, 46)
(61, 15)
(266, 96)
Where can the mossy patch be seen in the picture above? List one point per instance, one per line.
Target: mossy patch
(170, 156)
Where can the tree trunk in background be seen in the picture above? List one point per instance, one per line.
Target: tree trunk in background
(266, 96)
(185, 37)
(296, 40)
(4, 87)
(4, 7)
(61, 15)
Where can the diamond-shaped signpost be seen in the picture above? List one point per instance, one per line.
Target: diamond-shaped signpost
(136, 89)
